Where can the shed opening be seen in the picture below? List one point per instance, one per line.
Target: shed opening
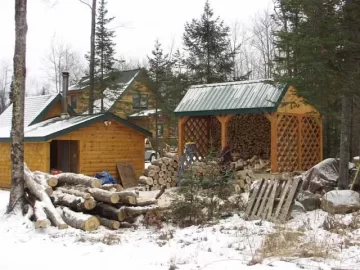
(64, 155)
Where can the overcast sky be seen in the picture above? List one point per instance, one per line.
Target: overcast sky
(141, 21)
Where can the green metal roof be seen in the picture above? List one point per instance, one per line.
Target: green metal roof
(231, 98)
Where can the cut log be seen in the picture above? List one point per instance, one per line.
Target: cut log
(149, 173)
(126, 193)
(77, 179)
(145, 202)
(161, 174)
(78, 193)
(41, 220)
(163, 168)
(146, 180)
(168, 180)
(46, 178)
(74, 202)
(109, 212)
(154, 167)
(104, 195)
(156, 162)
(166, 160)
(156, 176)
(36, 190)
(161, 181)
(110, 187)
(173, 156)
(125, 224)
(108, 223)
(136, 211)
(130, 200)
(77, 220)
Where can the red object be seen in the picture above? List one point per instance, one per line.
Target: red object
(55, 172)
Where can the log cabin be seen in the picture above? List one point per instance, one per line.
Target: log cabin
(57, 138)
(127, 94)
(255, 118)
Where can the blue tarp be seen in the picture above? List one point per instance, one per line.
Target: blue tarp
(105, 178)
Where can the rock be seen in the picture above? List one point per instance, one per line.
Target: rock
(309, 200)
(341, 201)
(296, 209)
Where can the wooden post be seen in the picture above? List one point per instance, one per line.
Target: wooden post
(224, 120)
(274, 123)
(299, 119)
(181, 134)
(320, 122)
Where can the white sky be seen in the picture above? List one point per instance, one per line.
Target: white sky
(143, 21)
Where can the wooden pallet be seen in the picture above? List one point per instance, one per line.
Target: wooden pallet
(272, 199)
(127, 175)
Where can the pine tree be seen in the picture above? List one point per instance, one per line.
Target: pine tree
(319, 58)
(208, 46)
(104, 47)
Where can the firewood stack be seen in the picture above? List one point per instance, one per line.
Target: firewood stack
(80, 201)
(161, 172)
(255, 164)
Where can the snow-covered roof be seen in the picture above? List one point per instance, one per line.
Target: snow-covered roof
(58, 126)
(34, 105)
(144, 113)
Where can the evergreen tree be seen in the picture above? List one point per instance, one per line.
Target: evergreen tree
(319, 57)
(208, 46)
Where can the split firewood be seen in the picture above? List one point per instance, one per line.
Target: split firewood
(104, 195)
(36, 190)
(108, 223)
(146, 180)
(77, 179)
(74, 202)
(77, 220)
(110, 187)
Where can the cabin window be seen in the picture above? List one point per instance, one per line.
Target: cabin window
(160, 130)
(74, 102)
(140, 101)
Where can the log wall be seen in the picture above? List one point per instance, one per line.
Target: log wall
(36, 157)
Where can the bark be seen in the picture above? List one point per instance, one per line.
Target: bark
(109, 212)
(146, 180)
(80, 221)
(103, 195)
(344, 182)
(92, 58)
(17, 198)
(75, 192)
(46, 179)
(77, 179)
(36, 190)
(163, 188)
(111, 224)
(110, 187)
(78, 204)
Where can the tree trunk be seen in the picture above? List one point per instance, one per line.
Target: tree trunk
(109, 212)
(111, 224)
(17, 195)
(103, 195)
(92, 58)
(78, 204)
(343, 182)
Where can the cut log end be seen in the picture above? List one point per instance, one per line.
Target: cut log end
(52, 182)
(89, 204)
(91, 224)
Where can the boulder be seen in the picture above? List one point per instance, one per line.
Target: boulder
(340, 201)
(309, 200)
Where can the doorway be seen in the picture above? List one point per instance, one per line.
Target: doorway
(64, 155)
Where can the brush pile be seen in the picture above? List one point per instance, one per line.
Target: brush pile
(82, 202)
(161, 172)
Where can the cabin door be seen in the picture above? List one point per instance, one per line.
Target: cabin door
(64, 155)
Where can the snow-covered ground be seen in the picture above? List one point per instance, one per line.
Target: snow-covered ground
(231, 244)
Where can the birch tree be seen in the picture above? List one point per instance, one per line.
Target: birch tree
(17, 200)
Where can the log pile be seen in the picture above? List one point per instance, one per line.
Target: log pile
(161, 172)
(79, 201)
(255, 164)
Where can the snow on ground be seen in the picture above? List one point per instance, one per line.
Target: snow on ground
(228, 245)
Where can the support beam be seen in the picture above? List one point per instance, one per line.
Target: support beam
(299, 119)
(224, 120)
(181, 134)
(320, 121)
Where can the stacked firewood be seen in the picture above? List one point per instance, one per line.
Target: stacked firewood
(255, 163)
(162, 172)
(82, 202)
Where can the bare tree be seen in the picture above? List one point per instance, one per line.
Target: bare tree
(17, 200)
(92, 54)
(63, 58)
(263, 41)
(5, 81)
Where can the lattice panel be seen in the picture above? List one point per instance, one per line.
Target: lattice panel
(215, 134)
(196, 130)
(310, 142)
(250, 135)
(287, 143)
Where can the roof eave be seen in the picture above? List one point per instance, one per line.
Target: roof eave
(228, 111)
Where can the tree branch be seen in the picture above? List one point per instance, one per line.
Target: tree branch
(87, 4)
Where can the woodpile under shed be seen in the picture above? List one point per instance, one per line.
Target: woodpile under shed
(81, 202)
